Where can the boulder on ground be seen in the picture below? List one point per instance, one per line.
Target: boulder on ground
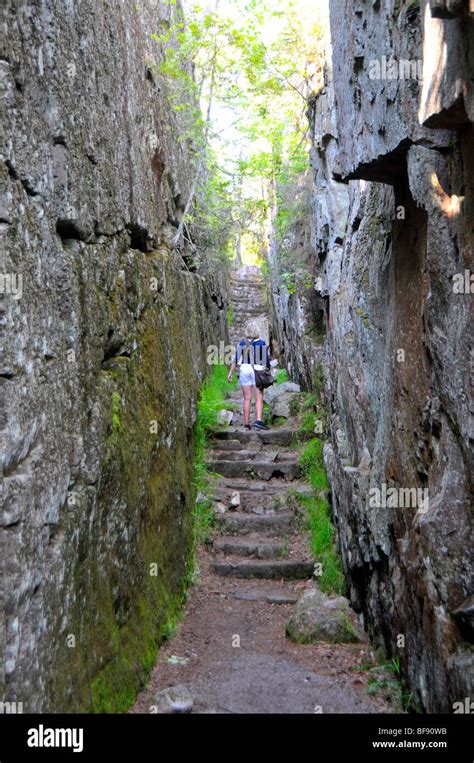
(174, 699)
(225, 417)
(280, 389)
(317, 617)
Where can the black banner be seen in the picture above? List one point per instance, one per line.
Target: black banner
(140, 737)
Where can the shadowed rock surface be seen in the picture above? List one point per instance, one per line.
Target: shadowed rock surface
(396, 348)
(99, 354)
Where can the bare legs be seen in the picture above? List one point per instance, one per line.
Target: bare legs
(259, 403)
(247, 393)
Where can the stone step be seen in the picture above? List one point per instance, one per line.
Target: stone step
(289, 470)
(283, 437)
(240, 523)
(252, 451)
(246, 455)
(241, 317)
(243, 283)
(251, 546)
(248, 290)
(264, 505)
(255, 487)
(272, 596)
(246, 313)
(275, 569)
(235, 445)
(243, 307)
(242, 301)
(275, 488)
(259, 497)
(237, 330)
(250, 303)
(242, 311)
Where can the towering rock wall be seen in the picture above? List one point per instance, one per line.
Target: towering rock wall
(107, 336)
(296, 310)
(393, 234)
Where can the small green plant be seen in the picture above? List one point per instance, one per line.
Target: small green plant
(386, 679)
(282, 376)
(312, 413)
(266, 413)
(308, 422)
(204, 519)
(295, 405)
(230, 317)
(285, 551)
(366, 664)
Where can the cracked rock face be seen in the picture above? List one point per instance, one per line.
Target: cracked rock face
(101, 372)
(392, 235)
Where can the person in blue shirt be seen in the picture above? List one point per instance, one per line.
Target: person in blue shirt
(251, 353)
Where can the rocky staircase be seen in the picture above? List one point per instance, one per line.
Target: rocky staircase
(247, 301)
(257, 531)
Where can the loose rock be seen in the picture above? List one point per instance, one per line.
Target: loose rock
(225, 417)
(174, 699)
(317, 617)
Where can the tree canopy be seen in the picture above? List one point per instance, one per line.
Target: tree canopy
(242, 72)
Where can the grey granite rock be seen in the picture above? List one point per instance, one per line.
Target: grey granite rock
(105, 354)
(317, 617)
(174, 699)
(386, 256)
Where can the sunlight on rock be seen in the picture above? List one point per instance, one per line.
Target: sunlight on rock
(434, 63)
(450, 205)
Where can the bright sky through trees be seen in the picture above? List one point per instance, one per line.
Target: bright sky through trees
(255, 64)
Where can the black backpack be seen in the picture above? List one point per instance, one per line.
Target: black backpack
(263, 379)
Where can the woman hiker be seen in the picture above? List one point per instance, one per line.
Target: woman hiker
(251, 355)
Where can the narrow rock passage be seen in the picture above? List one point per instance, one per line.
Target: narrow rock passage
(231, 651)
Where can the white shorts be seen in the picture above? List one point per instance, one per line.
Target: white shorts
(246, 375)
